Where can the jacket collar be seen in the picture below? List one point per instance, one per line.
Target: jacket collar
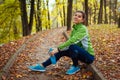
(75, 26)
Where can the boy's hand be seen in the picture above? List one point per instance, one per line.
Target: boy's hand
(55, 50)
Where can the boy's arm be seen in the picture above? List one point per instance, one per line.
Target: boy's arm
(78, 36)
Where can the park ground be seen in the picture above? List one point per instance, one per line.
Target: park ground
(105, 40)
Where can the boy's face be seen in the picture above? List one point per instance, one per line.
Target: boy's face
(78, 18)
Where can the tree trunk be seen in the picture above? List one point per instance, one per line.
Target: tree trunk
(95, 9)
(119, 22)
(106, 21)
(1, 1)
(57, 3)
(115, 14)
(83, 4)
(31, 16)
(24, 18)
(100, 12)
(76, 8)
(61, 19)
(15, 30)
(110, 12)
(48, 14)
(86, 11)
(64, 14)
(69, 14)
(38, 20)
(90, 15)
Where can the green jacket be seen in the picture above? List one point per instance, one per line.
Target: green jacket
(79, 36)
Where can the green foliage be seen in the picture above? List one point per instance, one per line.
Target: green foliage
(57, 13)
(78, 5)
(9, 21)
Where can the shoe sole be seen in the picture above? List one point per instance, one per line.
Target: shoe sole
(73, 73)
(37, 70)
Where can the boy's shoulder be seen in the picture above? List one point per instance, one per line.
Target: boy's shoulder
(83, 26)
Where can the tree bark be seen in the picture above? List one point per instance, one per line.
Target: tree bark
(48, 14)
(90, 15)
(1, 1)
(31, 16)
(119, 22)
(86, 11)
(24, 18)
(110, 11)
(115, 18)
(100, 12)
(105, 13)
(95, 9)
(61, 19)
(38, 20)
(64, 13)
(69, 14)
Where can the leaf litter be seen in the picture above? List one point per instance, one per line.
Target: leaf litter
(106, 43)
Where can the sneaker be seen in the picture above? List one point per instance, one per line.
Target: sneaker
(37, 67)
(73, 70)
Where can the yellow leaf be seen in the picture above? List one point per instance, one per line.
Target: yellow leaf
(84, 76)
(71, 63)
(18, 75)
(104, 40)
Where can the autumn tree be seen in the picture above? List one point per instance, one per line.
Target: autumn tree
(119, 22)
(9, 28)
(115, 11)
(24, 18)
(26, 26)
(86, 11)
(38, 16)
(64, 16)
(1, 1)
(100, 12)
(95, 12)
(105, 13)
(48, 14)
(56, 4)
(69, 14)
(31, 15)
(110, 10)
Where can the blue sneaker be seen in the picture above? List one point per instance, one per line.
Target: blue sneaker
(37, 67)
(73, 70)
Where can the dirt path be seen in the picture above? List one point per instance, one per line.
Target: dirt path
(36, 52)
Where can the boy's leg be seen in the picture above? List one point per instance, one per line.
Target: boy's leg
(74, 56)
(58, 55)
(83, 55)
(69, 53)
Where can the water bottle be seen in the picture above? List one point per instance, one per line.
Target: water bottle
(52, 58)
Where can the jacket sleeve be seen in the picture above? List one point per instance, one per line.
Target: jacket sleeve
(78, 36)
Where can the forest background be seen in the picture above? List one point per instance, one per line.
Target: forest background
(19, 18)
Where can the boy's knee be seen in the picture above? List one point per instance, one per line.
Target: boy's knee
(72, 47)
